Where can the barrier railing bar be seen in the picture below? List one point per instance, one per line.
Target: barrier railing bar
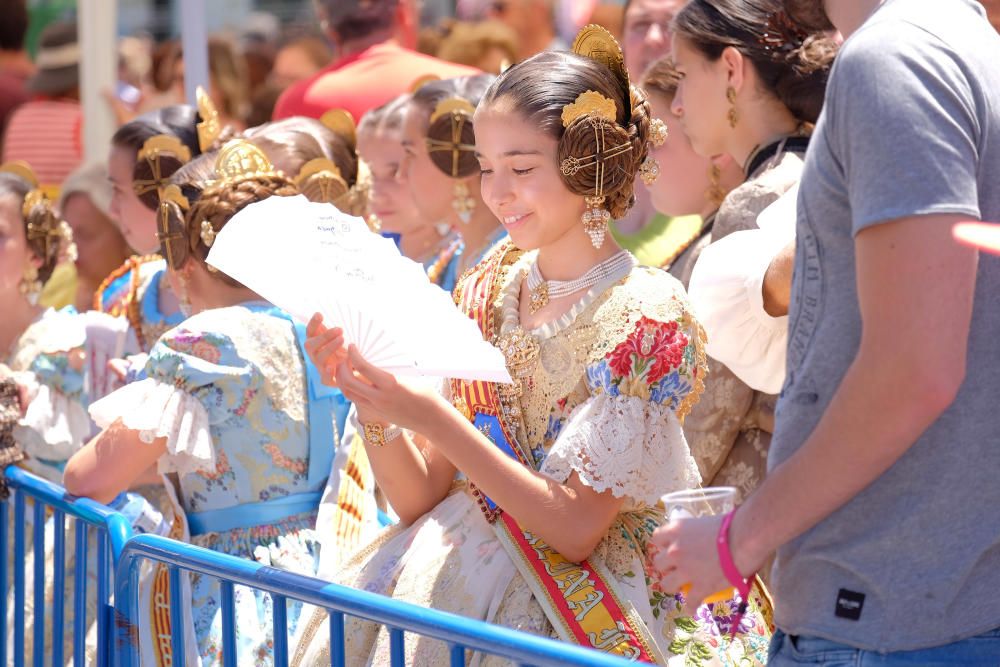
(19, 557)
(4, 546)
(397, 648)
(38, 634)
(228, 624)
(92, 512)
(337, 657)
(103, 658)
(443, 626)
(59, 586)
(80, 591)
(457, 655)
(176, 612)
(280, 614)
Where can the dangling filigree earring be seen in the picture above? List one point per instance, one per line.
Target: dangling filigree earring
(463, 203)
(649, 170)
(595, 220)
(30, 286)
(734, 114)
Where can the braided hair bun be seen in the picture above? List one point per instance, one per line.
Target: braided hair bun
(588, 136)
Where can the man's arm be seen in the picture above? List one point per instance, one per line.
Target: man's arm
(915, 292)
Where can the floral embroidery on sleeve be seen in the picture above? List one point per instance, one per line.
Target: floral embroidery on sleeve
(658, 361)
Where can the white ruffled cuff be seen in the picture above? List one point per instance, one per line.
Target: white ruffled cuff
(54, 426)
(726, 291)
(160, 410)
(624, 444)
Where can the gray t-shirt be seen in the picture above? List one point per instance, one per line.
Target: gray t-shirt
(911, 127)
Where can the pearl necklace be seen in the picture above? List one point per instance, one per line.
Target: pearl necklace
(542, 290)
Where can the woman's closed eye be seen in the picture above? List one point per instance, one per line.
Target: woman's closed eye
(523, 172)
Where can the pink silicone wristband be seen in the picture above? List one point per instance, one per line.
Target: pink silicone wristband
(726, 557)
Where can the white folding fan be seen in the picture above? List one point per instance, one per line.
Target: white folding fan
(307, 258)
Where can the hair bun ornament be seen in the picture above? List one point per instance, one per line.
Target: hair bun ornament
(153, 151)
(169, 225)
(48, 235)
(210, 126)
(781, 35)
(341, 123)
(320, 181)
(596, 43)
(239, 160)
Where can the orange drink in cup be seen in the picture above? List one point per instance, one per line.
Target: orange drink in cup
(695, 503)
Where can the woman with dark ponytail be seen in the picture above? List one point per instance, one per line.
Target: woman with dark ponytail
(530, 504)
(751, 86)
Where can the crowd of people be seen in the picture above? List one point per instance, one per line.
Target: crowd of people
(715, 251)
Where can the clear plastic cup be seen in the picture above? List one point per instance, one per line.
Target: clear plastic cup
(697, 503)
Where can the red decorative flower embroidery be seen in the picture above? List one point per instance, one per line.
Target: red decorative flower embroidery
(654, 349)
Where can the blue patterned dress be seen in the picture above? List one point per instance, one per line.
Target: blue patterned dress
(245, 464)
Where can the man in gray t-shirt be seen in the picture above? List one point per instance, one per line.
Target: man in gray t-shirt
(882, 500)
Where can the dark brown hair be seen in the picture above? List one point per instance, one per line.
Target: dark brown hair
(540, 87)
(291, 142)
(792, 62)
(42, 216)
(810, 14)
(14, 26)
(469, 88)
(662, 78)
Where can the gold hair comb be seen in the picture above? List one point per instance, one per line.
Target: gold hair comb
(341, 122)
(210, 126)
(240, 160)
(453, 105)
(598, 44)
(590, 102)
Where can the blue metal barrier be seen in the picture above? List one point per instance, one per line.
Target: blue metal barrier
(92, 519)
(399, 617)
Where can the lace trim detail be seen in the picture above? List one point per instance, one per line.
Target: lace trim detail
(159, 410)
(54, 426)
(624, 444)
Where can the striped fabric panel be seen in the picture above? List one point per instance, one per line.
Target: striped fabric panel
(46, 135)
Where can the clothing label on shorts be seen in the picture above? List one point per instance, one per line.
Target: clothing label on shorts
(849, 604)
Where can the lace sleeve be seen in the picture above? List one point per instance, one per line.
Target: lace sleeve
(55, 424)
(633, 447)
(159, 410)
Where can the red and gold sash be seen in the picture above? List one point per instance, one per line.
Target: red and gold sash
(580, 599)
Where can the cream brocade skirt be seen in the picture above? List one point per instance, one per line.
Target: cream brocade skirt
(451, 560)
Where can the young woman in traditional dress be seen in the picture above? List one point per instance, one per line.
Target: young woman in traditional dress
(530, 505)
(229, 415)
(751, 84)
(139, 290)
(442, 171)
(393, 208)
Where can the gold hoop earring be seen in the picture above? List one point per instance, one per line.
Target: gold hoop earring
(734, 114)
(30, 286)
